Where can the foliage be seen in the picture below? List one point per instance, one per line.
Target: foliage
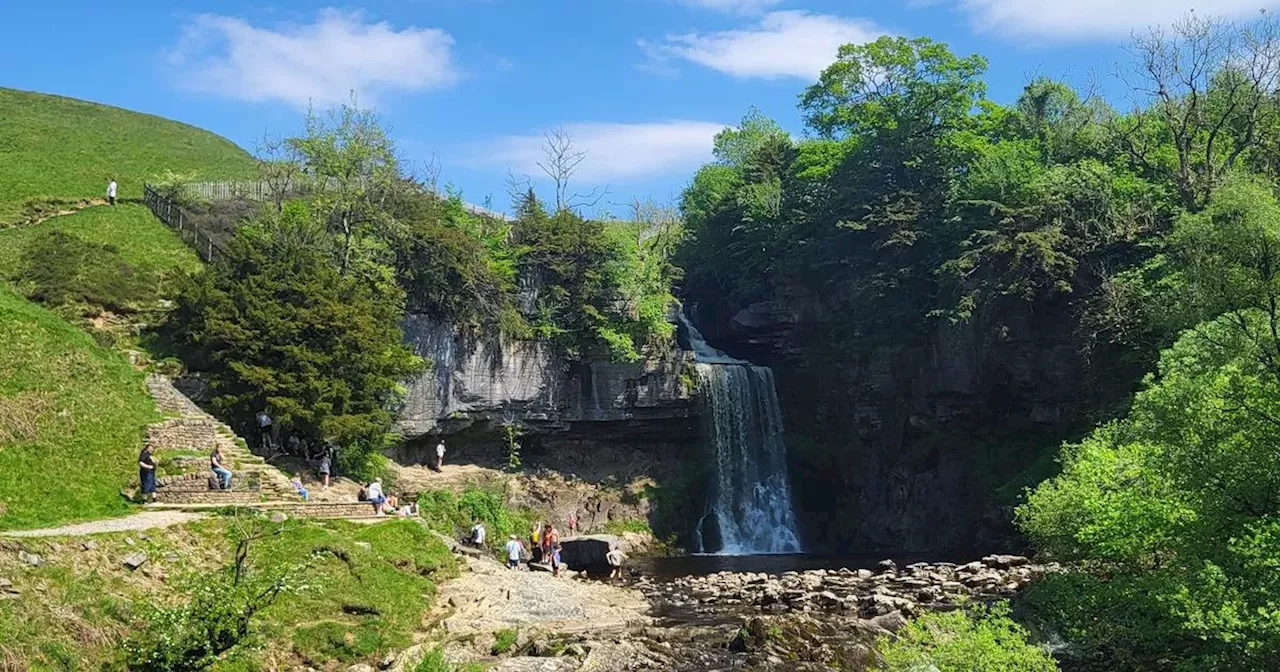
(278, 327)
(451, 514)
(60, 269)
(67, 407)
(62, 149)
(977, 640)
(504, 640)
(434, 661)
(1170, 512)
(513, 433)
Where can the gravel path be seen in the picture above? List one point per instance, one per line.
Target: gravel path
(139, 521)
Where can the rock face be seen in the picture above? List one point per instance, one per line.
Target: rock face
(477, 381)
(588, 553)
(921, 428)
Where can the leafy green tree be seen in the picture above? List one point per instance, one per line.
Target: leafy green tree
(278, 327)
(981, 640)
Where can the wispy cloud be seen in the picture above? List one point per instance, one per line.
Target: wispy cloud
(1082, 20)
(321, 62)
(783, 44)
(734, 6)
(615, 151)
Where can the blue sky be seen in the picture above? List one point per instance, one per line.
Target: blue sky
(641, 85)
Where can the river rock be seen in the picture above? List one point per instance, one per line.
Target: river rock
(887, 566)
(1005, 561)
(892, 621)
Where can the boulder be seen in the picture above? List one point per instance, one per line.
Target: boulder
(892, 621)
(134, 560)
(587, 553)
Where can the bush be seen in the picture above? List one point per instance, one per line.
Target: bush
(982, 640)
(62, 269)
(504, 641)
(450, 514)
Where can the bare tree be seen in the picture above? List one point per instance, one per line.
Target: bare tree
(1207, 86)
(561, 161)
(279, 168)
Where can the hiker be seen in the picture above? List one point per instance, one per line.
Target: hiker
(326, 464)
(615, 557)
(535, 542)
(515, 550)
(550, 541)
(376, 498)
(216, 461)
(147, 473)
(555, 560)
(573, 523)
(111, 191)
(440, 455)
(300, 488)
(477, 534)
(264, 430)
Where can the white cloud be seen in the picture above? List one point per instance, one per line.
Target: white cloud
(1065, 20)
(321, 62)
(615, 151)
(784, 44)
(734, 6)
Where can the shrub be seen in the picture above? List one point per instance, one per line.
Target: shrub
(982, 640)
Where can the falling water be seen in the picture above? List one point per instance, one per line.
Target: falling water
(751, 497)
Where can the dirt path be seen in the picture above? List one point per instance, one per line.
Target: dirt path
(147, 520)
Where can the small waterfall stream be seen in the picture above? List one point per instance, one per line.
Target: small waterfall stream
(750, 495)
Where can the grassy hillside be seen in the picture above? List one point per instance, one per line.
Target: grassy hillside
(61, 148)
(367, 588)
(72, 414)
(71, 420)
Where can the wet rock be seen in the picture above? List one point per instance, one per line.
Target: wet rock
(887, 567)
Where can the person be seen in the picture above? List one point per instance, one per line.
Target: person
(326, 464)
(440, 455)
(550, 540)
(147, 473)
(302, 490)
(615, 557)
(264, 430)
(515, 549)
(111, 191)
(376, 498)
(535, 542)
(573, 523)
(217, 464)
(477, 534)
(555, 560)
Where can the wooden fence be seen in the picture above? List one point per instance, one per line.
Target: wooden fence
(263, 191)
(170, 213)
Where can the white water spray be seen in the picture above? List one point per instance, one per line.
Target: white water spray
(751, 494)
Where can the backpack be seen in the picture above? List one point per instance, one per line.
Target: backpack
(363, 495)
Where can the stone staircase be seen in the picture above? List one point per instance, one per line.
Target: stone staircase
(182, 444)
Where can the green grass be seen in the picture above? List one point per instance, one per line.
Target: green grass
(89, 600)
(72, 415)
(59, 148)
(504, 640)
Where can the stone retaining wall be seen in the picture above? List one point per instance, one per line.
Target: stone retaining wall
(182, 434)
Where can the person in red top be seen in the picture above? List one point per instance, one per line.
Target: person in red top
(550, 540)
(573, 523)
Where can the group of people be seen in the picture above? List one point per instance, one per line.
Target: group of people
(545, 547)
(147, 471)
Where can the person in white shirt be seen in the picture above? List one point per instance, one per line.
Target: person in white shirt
(376, 497)
(515, 549)
(615, 557)
(477, 534)
(440, 456)
(111, 191)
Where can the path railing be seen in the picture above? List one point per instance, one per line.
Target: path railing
(171, 213)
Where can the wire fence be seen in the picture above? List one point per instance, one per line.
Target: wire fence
(171, 213)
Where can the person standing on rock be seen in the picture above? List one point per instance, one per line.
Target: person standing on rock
(615, 557)
(264, 430)
(326, 464)
(515, 550)
(111, 191)
(440, 455)
(573, 523)
(217, 464)
(477, 534)
(550, 544)
(147, 473)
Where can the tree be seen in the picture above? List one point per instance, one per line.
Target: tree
(279, 327)
(560, 161)
(1205, 90)
(356, 173)
(280, 169)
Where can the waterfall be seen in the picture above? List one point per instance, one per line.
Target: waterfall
(750, 493)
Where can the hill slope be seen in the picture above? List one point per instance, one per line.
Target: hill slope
(72, 414)
(59, 148)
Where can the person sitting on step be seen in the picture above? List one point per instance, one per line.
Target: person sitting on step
(300, 488)
(376, 498)
(218, 464)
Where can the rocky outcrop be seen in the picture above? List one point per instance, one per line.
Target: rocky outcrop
(481, 383)
(588, 553)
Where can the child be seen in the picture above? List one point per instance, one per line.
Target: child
(302, 490)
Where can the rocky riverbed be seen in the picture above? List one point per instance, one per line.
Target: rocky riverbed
(822, 619)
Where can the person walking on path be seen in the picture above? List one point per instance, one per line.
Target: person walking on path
(147, 473)
(615, 557)
(264, 431)
(111, 191)
(326, 464)
(216, 463)
(515, 550)
(440, 456)
(477, 534)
